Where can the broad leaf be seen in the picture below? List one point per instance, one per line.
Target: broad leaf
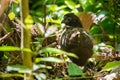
(74, 70)
(70, 4)
(12, 48)
(49, 59)
(9, 48)
(38, 66)
(57, 51)
(4, 75)
(111, 65)
(19, 68)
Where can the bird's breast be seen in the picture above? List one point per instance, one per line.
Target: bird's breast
(75, 38)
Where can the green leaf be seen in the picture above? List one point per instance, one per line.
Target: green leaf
(70, 4)
(74, 70)
(52, 7)
(10, 75)
(109, 66)
(19, 68)
(38, 66)
(61, 7)
(9, 48)
(26, 50)
(49, 59)
(5, 57)
(57, 51)
(12, 48)
(58, 21)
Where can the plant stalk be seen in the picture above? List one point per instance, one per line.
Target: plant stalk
(26, 38)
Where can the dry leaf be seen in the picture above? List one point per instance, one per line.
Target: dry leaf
(87, 19)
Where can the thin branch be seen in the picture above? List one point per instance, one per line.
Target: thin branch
(5, 37)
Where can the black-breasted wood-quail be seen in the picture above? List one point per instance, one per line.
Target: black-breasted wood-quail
(76, 39)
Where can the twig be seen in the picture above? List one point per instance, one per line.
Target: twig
(5, 37)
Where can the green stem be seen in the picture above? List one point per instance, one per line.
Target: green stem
(26, 38)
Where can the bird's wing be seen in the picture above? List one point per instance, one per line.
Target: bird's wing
(74, 38)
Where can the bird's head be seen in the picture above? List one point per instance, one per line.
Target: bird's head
(71, 20)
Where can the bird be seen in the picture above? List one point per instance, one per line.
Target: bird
(76, 39)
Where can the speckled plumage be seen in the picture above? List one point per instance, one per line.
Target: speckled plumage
(76, 39)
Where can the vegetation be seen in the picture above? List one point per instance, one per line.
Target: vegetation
(30, 31)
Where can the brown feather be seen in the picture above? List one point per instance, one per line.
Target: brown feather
(76, 39)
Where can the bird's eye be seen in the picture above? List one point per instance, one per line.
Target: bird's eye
(69, 18)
